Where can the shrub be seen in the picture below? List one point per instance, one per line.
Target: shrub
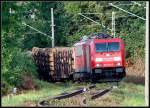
(5, 88)
(21, 63)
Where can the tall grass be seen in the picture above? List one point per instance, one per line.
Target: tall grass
(127, 94)
(47, 89)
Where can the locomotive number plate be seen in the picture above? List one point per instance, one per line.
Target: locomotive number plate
(108, 64)
(108, 59)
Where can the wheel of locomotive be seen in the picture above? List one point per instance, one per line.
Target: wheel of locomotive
(71, 77)
(76, 77)
(92, 77)
(84, 76)
(87, 77)
(79, 76)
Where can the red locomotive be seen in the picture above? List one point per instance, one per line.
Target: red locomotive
(100, 57)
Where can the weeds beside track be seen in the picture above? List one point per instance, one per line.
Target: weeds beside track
(127, 94)
(81, 101)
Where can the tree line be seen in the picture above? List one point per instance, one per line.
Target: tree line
(17, 38)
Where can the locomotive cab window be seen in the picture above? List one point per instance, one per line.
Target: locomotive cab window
(107, 47)
(101, 47)
(78, 50)
(113, 46)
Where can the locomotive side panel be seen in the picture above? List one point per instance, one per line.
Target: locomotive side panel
(80, 63)
(88, 64)
(123, 53)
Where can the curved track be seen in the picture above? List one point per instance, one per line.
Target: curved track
(99, 93)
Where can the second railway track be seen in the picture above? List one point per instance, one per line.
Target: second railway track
(78, 97)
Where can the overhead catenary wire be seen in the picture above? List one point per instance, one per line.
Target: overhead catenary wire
(137, 3)
(126, 11)
(128, 4)
(121, 16)
(113, 21)
(124, 4)
(95, 13)
(35, 29)
(94, 21)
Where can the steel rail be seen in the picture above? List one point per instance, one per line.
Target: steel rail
(70, 94)
(44, 102)
(101, 93)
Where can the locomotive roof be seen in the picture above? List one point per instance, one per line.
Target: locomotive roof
(108, 40)
(100, 36)
(98, 40)
(96, 37)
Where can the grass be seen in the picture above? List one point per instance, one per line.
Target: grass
(50, 89)
(127, 94)
(134, 95)
(32, 95)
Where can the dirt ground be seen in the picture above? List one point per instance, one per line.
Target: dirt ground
(29, 104)
(136, 72)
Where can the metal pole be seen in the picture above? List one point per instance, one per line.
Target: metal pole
(147, 57)
(112, 29)
(113, 24)
(52, 27)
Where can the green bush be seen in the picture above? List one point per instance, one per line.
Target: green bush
(21, 63)
(40, 83)
(5, 88)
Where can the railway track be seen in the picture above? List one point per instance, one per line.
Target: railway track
(97, 94)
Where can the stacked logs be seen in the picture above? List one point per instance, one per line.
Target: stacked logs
(54, 63)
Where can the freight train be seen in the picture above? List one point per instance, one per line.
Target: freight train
(99, 57)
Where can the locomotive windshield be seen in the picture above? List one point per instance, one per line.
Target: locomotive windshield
(107, 47)
(101, 47)
(113, 46)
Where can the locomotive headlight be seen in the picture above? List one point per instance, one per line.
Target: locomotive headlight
(97, 65)
(118, 64)
(117, 58)
(99, 59)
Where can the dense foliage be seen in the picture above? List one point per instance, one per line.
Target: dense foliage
(69, 27)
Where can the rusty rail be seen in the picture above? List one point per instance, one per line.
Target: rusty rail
(101, 93)
(44, 102)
